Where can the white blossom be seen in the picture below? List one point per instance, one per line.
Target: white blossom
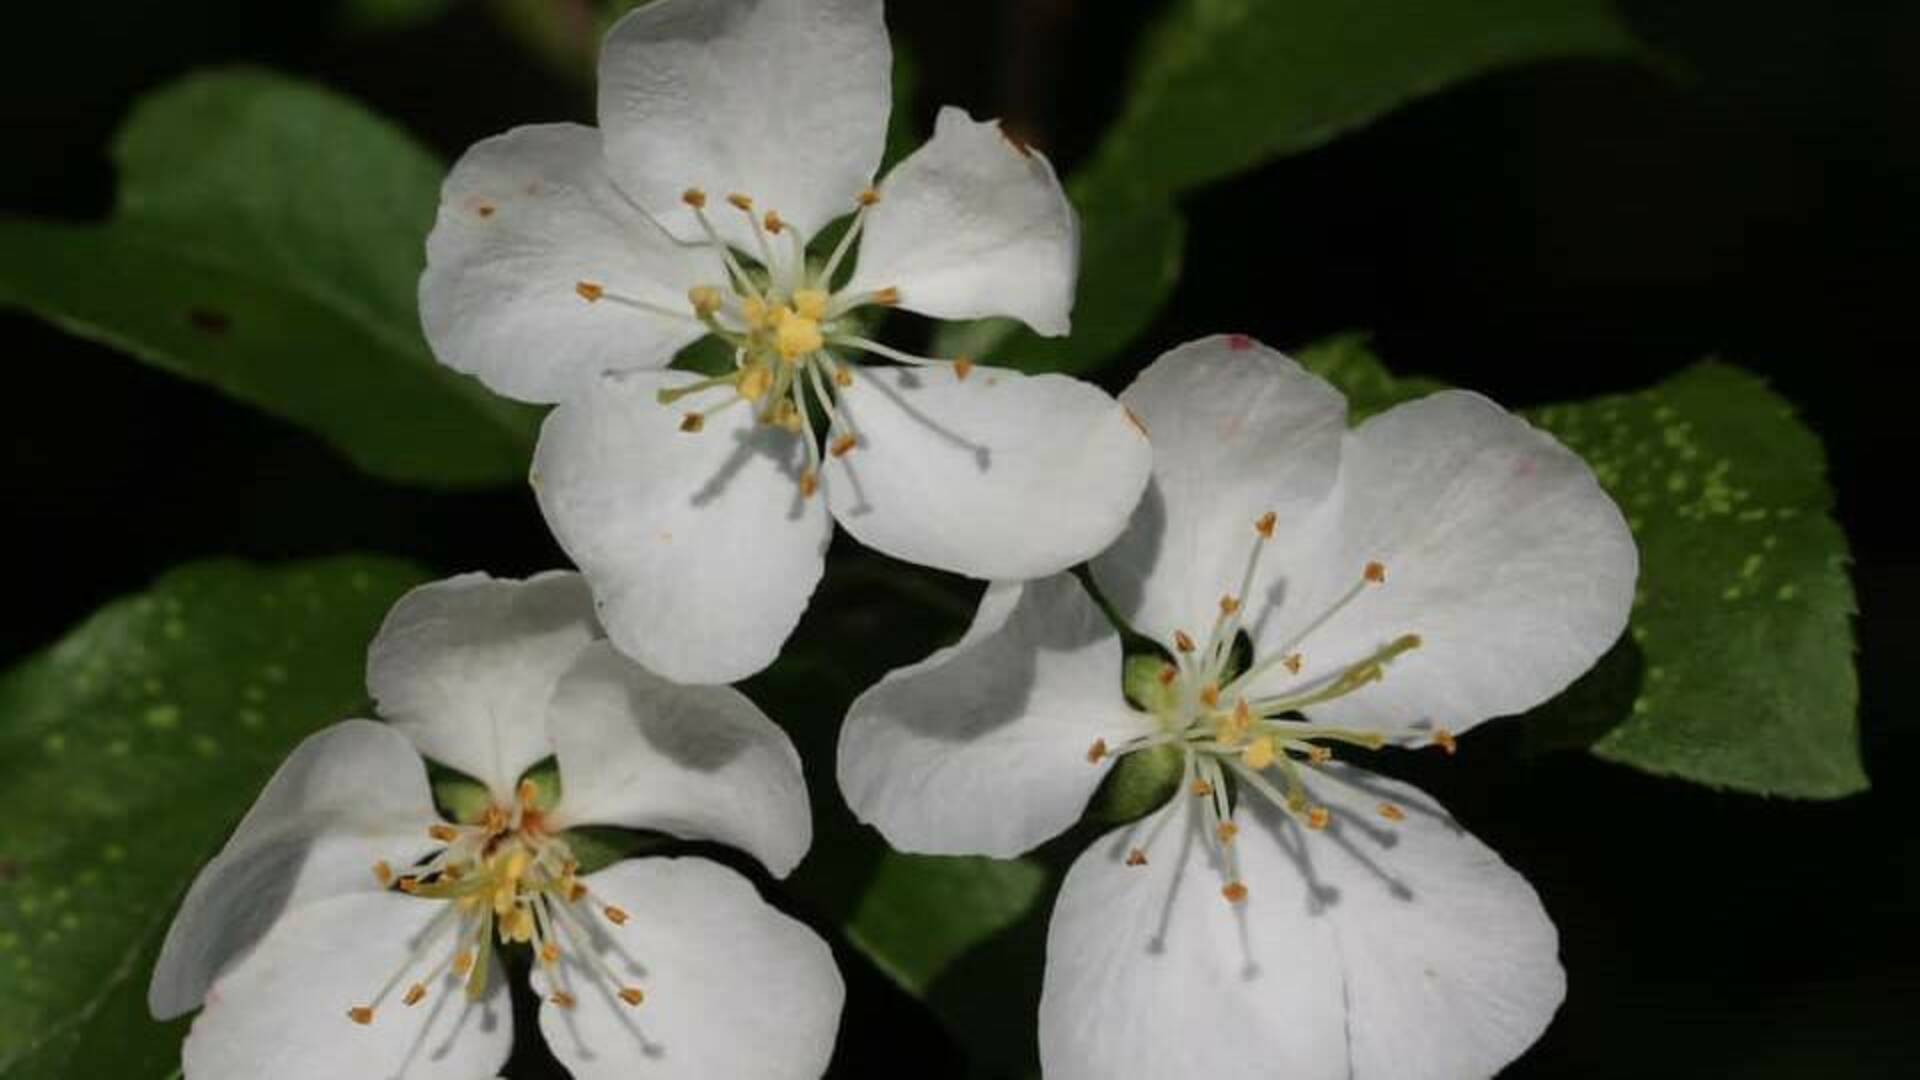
(1285, 913)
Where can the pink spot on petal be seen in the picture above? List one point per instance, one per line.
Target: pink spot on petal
(1239, 342)
(1524, 468)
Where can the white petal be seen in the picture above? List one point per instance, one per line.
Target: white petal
(785, 101)
(699, 762)
(700, 548)
(1370, 949)
(999, 475)
(465, 668)
(1238, 431)
(1500, 551)
(972, 226)
(982, 747)
(525, 218)
(347, 798)
(282, 1012)
(733, 988)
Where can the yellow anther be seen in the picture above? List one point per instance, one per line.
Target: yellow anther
(1235, 892)
(446, 834)
(1182, 642)
(1318, 817)
(1097, 752)
(754, 311)
(1392, 812)
(1136, 857)
(692, 422)
(809, 483)
(695, 198)
(360, 1014)
(1443, 739)
(1259, 753)
(754, 382)
(408, 885)
(564, 999)
(549, 954)
(528, 793)
(774, 222)
(1210, 695)
(811, 304)
(962, 367)
(1229, 605)
(1227, 831)
(741, 202)
(786, 415)
(575, 892)
(632, 995)
(1292, 663)
(516, 867)
(887, 297)
(1202, 789)
(463, 963)
(518, 926)
(796, 335)
(705, 300)
(589, 291)
(383, 873)
(1319, 755)
(1265, 525)
(868, 197)
(415, 995)
(614, 915)
(844, 445)
(843, 377)
(1376, 573)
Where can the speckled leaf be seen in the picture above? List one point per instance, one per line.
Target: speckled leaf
(1225, 85)
(127, 751)
(268, 241)
(1738, 669)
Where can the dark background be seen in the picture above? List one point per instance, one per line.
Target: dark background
(1547, 233)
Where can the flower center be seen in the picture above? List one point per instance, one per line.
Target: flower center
(1222, 726)
(791, 333)
(506, 878)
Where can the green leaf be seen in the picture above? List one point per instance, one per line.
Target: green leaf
(920, 913)
(268, 240)
(378, 16)
(128, 750)
(1225, 85)
(1737, 670)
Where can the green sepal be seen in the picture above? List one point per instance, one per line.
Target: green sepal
(1141, 681)
(460, 798)
(1140, 783)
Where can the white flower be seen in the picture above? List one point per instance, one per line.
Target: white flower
(348, 930)
(568, 265)
(1284, 914)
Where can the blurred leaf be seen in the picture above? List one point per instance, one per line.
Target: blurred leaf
(383, 15)
(128, 751)
(268, 240)
(920, 913)
(1225, 85)
(1738, 669)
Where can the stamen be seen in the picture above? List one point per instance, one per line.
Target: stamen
(383, 873)
(360, 1014)
(692, 422)
(695, 198)
(446, 834)
(1167, 674)
(866, 201)
(528, 793)
(632, 995)
(1265, 525)
(1376, 573)
(1259, 753)
(563, 999)
(962, 367)
(1392, 812)
(741, 202)
(1182, 641)
(614, 915)
(867, 198)
(1443, 739)
(1136, 857)
(1201, 789)
(593, 292)
(844, 445)
(1229, 605)
(1235, 892)
(550, 954)
(1318, 817)
(1097, 751)
(809, 483)
(1227, 830)
(589, 291)
(705, 300)
(415, 994)
(1210, 695)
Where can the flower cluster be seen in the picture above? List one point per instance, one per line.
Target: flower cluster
(1311, 594)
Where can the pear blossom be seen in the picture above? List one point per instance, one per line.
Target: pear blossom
(349, 929)
(568, 264)
(1316, 593)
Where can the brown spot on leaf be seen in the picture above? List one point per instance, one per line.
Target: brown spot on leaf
(209, 321)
